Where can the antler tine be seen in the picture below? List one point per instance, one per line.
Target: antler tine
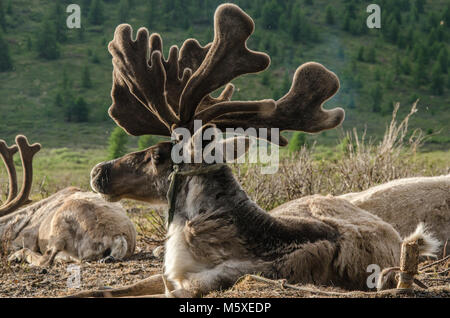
(174, 83)
(227, 59)
(192, 54)
(131, 114)
(300, 109)
(146, 80)
(27, 153)
(7, 154)
(179, 67)
(209, 114)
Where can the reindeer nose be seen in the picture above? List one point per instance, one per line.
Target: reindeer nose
(100, 177)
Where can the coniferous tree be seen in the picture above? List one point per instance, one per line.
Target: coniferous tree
(80, 111)
(59, 100)
(377, 75)
(2, 16)
(29, 43)
(443, 59)
(397, 65)
(392, 30)
(329, 15)
(352, 104)
(6, 63)
(376, 94)
(46, 44)
(58, 17)
(297, 141)
(96, 14)
(152, 14)
(419, 4)
(446, 16)
(86, 78)
(270, 13)
(437, 79)
(117, 143)
(419, 74)
(387, 108)
(265, 79)
(371, 55)
(406, 66)
(433, 36)
(124, 10)
(68, 104)
(9, 7)
(146, 141)
(347, 22)
(360, 56)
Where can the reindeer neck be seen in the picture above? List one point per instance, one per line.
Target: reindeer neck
(216, 192)
(220, 196)
(12, 223)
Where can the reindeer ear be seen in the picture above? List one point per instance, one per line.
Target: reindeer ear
(234, 147)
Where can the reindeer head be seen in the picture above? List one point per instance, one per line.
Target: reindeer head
(155, 96)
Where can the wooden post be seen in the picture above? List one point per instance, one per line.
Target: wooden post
(409, 264)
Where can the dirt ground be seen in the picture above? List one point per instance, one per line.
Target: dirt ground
(23, 280)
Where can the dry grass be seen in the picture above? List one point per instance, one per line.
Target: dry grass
(359, 165)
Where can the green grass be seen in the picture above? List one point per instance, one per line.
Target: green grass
(28, 92)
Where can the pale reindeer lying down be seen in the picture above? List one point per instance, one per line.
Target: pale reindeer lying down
(70, 226)
(216, 233)
(405, 202)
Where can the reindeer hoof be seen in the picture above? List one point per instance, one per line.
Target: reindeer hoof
(107, 260)
(16, 257)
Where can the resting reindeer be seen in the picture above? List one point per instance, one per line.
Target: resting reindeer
(70, 225)
(217, 233)
(421, 199)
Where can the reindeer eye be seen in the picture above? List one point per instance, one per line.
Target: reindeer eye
(147, 159)
(155, 156)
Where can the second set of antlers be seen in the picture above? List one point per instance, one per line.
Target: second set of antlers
(15, 200)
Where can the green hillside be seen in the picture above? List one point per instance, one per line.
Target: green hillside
(55, 85)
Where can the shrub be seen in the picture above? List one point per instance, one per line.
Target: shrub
(117, 143)
(362, 165)
(297, 141)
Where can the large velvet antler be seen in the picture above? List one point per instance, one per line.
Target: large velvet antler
(227, 58)
(300, 109)
(155, 96)
(27, 153)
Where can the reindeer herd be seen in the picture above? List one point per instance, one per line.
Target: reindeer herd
(216, 233)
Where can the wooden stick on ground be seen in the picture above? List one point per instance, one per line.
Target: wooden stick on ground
(409, 264)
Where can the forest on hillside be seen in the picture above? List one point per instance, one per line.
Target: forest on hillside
(56, 81)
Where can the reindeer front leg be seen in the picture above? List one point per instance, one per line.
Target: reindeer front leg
(33, 258)
(154, 286)
(157, 286)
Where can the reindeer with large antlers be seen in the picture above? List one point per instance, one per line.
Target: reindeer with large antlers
(69, 226)
(216, 233)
